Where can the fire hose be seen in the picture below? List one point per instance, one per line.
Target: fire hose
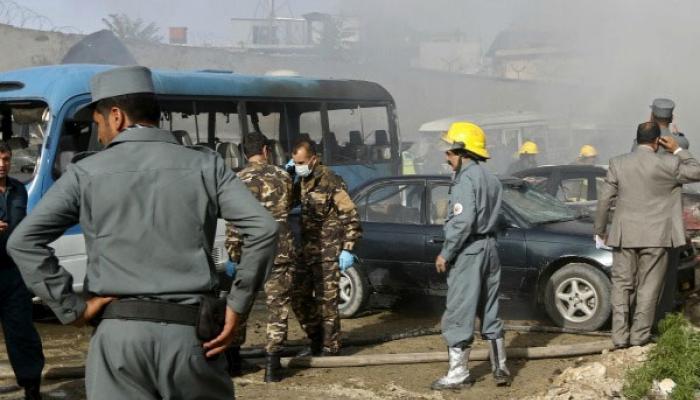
(259, 352)
(527, 353)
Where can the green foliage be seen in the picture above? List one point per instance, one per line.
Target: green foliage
(133, 29)
(676, 356)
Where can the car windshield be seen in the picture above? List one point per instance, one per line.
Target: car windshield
(536, 207)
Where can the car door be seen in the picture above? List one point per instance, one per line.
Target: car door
(511, 242)
(392, 247)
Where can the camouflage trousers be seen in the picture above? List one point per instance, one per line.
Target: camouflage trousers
(315, 301)
(278, 290)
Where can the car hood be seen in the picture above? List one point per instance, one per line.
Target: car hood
(563, 231)
(548, 242)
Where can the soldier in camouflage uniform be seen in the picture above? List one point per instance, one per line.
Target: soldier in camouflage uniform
(330, 229)
(272, 186)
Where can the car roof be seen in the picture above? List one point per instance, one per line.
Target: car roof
(563, 168)
(506, 180)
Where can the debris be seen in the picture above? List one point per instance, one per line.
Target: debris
(663, 389)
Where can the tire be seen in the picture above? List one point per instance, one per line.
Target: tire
(354, 292)
(577, 296)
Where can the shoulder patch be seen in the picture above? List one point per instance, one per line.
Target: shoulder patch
(457, 209)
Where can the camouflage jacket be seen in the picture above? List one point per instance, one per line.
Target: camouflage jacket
(272, 186)
(328, 215)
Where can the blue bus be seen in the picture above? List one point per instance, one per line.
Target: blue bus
(353, 125)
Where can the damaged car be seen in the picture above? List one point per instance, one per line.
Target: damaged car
(547, 253)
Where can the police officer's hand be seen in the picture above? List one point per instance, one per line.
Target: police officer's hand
(3, 226)
(221, 342)
(440, 264)
(669, 143)
(94, 306)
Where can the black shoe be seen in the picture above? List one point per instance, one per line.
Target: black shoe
(315, 349)
(272, 367)
(651, 339)
(32, 393)
(502, 378)
(237, 366)
(620, 346)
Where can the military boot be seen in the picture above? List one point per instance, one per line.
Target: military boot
(497, 353)
(458, 376)
(315, 349)
(237, 366)
(273, 367)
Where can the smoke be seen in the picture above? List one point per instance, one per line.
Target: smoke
(613, 57)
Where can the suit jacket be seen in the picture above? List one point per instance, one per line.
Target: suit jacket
(646, 190)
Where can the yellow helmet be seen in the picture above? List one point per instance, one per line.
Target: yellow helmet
(528, 147)
(467, 136)
(588, 151)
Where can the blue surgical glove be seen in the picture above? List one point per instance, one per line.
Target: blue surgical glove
(346, 260)
(231, 268)
(289, 164)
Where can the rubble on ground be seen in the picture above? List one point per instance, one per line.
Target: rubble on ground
(600, 379)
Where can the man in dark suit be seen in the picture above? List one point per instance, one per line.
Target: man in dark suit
(21, 337)
(647, 223)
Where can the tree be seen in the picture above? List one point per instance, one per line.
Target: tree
(133, 29)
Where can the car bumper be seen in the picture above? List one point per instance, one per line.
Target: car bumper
(688, 275)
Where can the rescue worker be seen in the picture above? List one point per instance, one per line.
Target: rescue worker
(272, 186)
(588, 155)
(330, 228)
(148, 208)
(527, 158)
(470, 259)
(21, 338)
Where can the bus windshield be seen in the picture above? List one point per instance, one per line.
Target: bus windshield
(23, 125)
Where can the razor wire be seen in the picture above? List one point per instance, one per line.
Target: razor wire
(14, 14)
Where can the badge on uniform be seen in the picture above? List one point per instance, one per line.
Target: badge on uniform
(457, 209)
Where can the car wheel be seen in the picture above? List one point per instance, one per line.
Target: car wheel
(354, 292)
(578, 296)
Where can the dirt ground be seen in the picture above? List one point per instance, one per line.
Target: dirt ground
(66, 346)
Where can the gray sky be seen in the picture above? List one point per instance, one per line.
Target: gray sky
(208, 20)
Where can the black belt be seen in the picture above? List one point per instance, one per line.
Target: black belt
(481, 236)
(151, 310)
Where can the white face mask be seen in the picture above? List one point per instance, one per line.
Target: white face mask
(302, 170)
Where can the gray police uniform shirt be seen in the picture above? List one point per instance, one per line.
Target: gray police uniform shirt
(148, 208)
(474, 206)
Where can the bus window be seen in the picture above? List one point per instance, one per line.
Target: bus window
(310, 128)
(228, 128)
(269, 119)
(362, 133)
(23, 127)
(194, 125)
(76, 138)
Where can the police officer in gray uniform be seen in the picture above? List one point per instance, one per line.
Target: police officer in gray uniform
(470, 258)
(662, 114)
(148, 208)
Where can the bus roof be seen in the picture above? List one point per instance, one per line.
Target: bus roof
(56, 84)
